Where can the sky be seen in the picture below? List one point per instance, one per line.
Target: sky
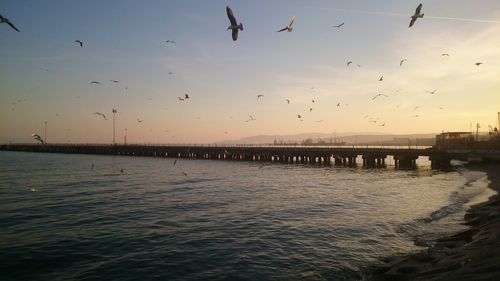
(45, 76)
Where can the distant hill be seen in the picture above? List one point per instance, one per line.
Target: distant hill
(348, 138)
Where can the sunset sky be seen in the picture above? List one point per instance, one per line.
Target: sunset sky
(45, 75)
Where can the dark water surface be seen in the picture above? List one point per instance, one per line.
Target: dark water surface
(62, 220)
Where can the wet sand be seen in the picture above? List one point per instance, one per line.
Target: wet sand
(473, 254)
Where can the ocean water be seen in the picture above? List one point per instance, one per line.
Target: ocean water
(61, 219)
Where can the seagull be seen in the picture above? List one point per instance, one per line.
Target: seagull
(7, 21)
(37, 137)
(478, 63)
(114, 81)
(349, 62)
(139, 120)
(101, 114)
(259, 96)
(431, 92)
(251, 118)
(382, 125)
(416, 107)
(313, 100)
(181, 99)
(338, 104)
(310, 109)
(379, 95)
(401, 62)
(381, 78)
(175, 162)
(337, 26)
(234, 25)
(171, 42)
(287, 101)
(186, 96)
(416, 15)
(299, 116)
(95, 82)
(445, 55)
(289, 27)
(79, 42)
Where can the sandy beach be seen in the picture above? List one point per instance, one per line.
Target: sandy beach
(473, 254)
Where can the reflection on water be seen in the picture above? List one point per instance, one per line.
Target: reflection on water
(224, 220)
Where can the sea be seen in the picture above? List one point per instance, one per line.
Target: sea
(94, 217)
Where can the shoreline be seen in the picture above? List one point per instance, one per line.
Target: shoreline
(472, 254)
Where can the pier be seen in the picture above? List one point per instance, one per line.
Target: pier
(322, 155)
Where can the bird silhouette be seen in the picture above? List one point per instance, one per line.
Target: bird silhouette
(95, 83)
(379, 95)
(401, 62)
(416, 15)
(101, 114)
(289, 27)
(478, 63)
(349, 62)
(37, 138)
(7, 21)
(260, 96)
(79, 42)
(381, 78)
(287, 101)
(337, 26)
(234, 25)
(171, 42)
(431, 92)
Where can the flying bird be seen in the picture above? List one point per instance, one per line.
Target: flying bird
(416, 107)
(114, 81)
(251, 118)
(445, 55)
(381, 78)
(79, 42)
(139, 120)
(95, 82)
(101, 114)
(181, 99)
(171, 42)
(431, 92)
(338, 104)
(310, 109)
(416, 15)
(401, 62)
(349, 62)
(7, 21)
(379, 95)
(259, 96)
(37, 137)
(186, 96)
(299, 116)
(175, 162)
(289, 27)
(287, 101)
(234, 25)
(337, 26)
(313, 101)
(478, 63)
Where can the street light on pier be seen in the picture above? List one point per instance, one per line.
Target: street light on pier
(45, 135)
(114, 119)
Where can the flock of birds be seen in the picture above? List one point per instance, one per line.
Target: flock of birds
(236, 28)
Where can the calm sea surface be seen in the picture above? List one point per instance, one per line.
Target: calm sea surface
(62, 220)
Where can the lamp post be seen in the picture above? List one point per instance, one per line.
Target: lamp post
(125, 139)
(114, 119)
(45, 135)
